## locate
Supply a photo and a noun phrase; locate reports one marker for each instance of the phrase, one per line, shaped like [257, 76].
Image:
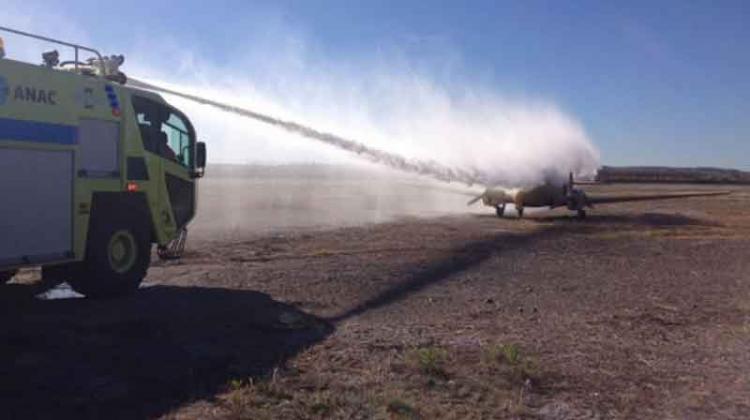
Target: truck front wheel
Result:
[118, 253]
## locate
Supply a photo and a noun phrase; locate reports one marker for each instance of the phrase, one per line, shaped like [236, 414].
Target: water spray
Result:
[421, 167]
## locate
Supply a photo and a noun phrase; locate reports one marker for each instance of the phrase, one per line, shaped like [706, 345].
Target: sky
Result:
[649, 82]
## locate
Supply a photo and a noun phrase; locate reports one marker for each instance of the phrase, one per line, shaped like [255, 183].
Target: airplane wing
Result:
[647, 197]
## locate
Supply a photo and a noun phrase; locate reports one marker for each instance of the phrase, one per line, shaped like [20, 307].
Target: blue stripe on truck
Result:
[40, 132]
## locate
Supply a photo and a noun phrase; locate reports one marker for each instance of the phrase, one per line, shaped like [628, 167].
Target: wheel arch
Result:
[133, 206]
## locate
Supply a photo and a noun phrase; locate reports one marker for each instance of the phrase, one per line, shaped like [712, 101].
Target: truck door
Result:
[177, 150]
[168, 134]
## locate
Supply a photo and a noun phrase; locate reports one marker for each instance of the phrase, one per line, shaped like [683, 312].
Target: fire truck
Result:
[93, 172]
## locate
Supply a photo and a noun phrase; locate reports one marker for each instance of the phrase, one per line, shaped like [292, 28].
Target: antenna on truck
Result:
[107, 67]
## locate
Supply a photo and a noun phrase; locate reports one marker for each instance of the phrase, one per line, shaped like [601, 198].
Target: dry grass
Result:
[399, 409]
[510, 361]
[430, 361]
[279, 398]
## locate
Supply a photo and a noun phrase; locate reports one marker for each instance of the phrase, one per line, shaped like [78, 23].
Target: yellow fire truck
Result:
[92, 172]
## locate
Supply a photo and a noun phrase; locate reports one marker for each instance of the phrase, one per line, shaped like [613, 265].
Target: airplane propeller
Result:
[475, 199]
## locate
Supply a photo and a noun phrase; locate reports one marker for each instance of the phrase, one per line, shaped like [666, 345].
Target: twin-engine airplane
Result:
[566, 195]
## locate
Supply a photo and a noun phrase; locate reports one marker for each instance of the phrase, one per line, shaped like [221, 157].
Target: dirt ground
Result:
[641, 311]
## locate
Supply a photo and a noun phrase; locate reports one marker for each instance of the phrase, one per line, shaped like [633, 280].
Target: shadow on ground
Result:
[166, 346]
[471, 254]
[143, 355]
[642, 219]
[453, 262]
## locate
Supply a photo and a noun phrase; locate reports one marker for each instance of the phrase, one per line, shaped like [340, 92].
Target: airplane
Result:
[554, 195]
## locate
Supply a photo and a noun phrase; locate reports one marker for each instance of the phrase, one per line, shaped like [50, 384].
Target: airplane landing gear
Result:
[581, 214]
[520, 212]
[500, 210]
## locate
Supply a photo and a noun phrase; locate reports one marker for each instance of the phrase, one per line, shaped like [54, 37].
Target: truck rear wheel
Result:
[118, 253]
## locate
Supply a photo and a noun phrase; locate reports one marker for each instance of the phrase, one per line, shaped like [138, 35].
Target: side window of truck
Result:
[163, 131]
[178, 139]
[98, 148]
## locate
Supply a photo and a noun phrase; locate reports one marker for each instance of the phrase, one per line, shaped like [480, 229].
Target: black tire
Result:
[500, 211]
[118, 253]
[6, 276]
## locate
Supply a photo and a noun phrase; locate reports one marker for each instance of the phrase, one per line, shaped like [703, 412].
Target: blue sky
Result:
[653, 82]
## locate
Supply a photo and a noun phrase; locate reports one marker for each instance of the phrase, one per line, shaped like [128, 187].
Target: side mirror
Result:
[200, 159]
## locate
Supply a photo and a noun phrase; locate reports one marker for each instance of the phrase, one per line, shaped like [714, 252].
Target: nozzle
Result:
[51, 58]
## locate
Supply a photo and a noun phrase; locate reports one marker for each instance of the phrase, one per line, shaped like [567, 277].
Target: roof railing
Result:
[75, 47]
